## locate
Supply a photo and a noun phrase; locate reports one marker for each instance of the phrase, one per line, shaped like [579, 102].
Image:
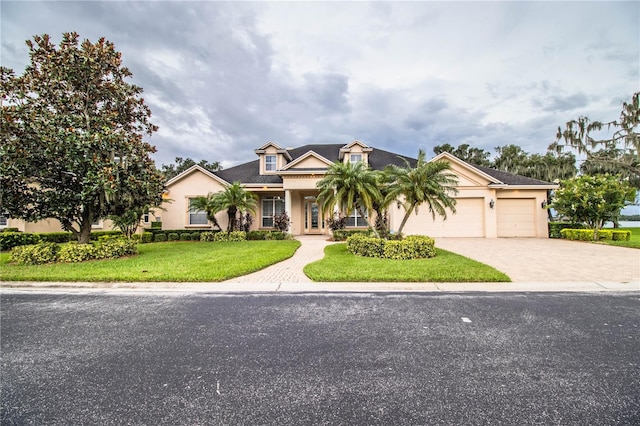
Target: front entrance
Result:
[312, 222]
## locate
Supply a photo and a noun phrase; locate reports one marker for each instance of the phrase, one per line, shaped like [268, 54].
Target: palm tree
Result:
[207, 204]
[429, 183]
[349, 186]
[233, 199]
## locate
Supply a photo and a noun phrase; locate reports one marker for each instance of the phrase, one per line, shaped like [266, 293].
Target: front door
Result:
[312, 223]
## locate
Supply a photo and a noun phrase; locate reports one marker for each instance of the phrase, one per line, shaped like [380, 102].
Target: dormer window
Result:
[355, 158]
[270, 163]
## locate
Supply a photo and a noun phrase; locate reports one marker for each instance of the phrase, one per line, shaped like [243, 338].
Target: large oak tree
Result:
[72, 137]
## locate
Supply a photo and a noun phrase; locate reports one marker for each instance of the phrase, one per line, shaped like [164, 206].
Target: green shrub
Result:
[185, 236]
[158, 238]
[173, 236]
[74, 252]
[35, 254]
[56, 237]
[136, 237]
[555, 228]
[621, 235]
[156, 225]
[9, 240]
[343, 234]
[412, 247]
[257, 235]
[114, 248]
[587, 234]
[146, 237]
[96, 235]
[363, 245]
[9, 230]
[230, 236]
[208, 236]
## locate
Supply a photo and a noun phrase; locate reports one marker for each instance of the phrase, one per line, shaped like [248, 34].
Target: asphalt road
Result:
[327, 359]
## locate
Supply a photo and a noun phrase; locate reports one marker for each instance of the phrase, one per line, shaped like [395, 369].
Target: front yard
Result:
[338, 265]
[171, 261]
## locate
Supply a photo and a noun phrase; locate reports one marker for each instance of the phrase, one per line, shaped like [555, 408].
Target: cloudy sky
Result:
[223, 78]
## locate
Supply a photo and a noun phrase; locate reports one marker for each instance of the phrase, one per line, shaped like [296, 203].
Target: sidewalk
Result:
[534, 265]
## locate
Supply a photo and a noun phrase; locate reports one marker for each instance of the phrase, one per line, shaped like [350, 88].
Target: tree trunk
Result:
[371, 228]
[405, 218]
[84, 236]
[231, 212]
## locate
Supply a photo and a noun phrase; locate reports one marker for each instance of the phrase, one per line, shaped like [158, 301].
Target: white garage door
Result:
[467, 222]
[516, 217]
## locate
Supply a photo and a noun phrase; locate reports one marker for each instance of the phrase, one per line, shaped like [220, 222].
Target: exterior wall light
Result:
[492, 203]
[543, 204]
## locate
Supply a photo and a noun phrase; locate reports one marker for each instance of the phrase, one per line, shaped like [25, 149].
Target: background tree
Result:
[349, 186]
[477, 156]
[72, 131]
[128, 222]
[430, 183]
[593, 200]
[172, 170]
[618, 151]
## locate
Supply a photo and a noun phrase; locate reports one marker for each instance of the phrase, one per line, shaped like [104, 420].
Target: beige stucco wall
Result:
[196, 184]
[51, 225]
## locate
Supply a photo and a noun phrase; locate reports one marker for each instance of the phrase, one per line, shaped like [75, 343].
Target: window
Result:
[4, 221]
[97, 224]
[197, 217]
[270, 164]
[355, 220]
[355, 158]
[271, 206]
[145, 218]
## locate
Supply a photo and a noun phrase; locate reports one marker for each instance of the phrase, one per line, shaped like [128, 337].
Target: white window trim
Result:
[99, 224]
[267, 163]
[356, 155]
[357, 218]
[6, 221]
[195, 212]
[273, 200]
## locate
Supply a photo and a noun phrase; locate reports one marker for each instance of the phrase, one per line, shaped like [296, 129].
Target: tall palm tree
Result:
[429, 183]
[233, 199]
[349, 186]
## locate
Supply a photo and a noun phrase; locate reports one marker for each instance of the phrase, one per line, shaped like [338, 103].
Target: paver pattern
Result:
[550, 260]
[290, 270]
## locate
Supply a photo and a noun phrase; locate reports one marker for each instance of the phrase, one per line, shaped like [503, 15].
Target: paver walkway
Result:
[290, 270]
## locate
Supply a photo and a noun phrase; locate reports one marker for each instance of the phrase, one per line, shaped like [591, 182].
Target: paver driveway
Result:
[550, 260]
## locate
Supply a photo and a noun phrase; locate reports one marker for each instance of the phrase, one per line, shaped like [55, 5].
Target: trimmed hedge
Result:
[555, 228]
[9, 240]
[412, 247]
[343, 234]
[159, 238]
[603, 234]
[173, 236]
[230, 236]
[47, 252]
[267, 235]
[146, 237]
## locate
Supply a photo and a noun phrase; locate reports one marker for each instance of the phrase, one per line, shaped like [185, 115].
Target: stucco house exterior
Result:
[490, 203]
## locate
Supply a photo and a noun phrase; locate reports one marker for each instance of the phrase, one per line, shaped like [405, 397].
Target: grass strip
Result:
[182, 261]
[339, 265]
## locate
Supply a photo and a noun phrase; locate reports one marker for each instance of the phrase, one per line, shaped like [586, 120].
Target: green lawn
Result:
[340, 265]
[171, 261]
[633, 243]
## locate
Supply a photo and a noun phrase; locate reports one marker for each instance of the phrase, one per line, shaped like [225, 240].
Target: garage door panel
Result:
[516, 217]
[468, 221]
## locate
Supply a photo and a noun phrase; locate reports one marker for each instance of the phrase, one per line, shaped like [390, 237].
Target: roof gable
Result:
[195, 169]
[310, 160]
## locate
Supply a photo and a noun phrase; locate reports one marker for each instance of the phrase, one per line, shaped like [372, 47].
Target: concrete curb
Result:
[319, 287]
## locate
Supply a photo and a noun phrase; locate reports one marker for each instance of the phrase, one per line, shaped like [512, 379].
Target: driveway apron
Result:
[550, 260]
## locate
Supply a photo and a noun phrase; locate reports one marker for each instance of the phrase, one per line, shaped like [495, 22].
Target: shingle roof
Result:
[250, 172]
[378, 159]
[510, 178]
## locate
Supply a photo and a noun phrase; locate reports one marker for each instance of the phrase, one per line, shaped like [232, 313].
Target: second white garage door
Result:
[467, 222]
[516, 217]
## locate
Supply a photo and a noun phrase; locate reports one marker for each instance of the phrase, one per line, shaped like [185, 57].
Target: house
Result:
[490, 203]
